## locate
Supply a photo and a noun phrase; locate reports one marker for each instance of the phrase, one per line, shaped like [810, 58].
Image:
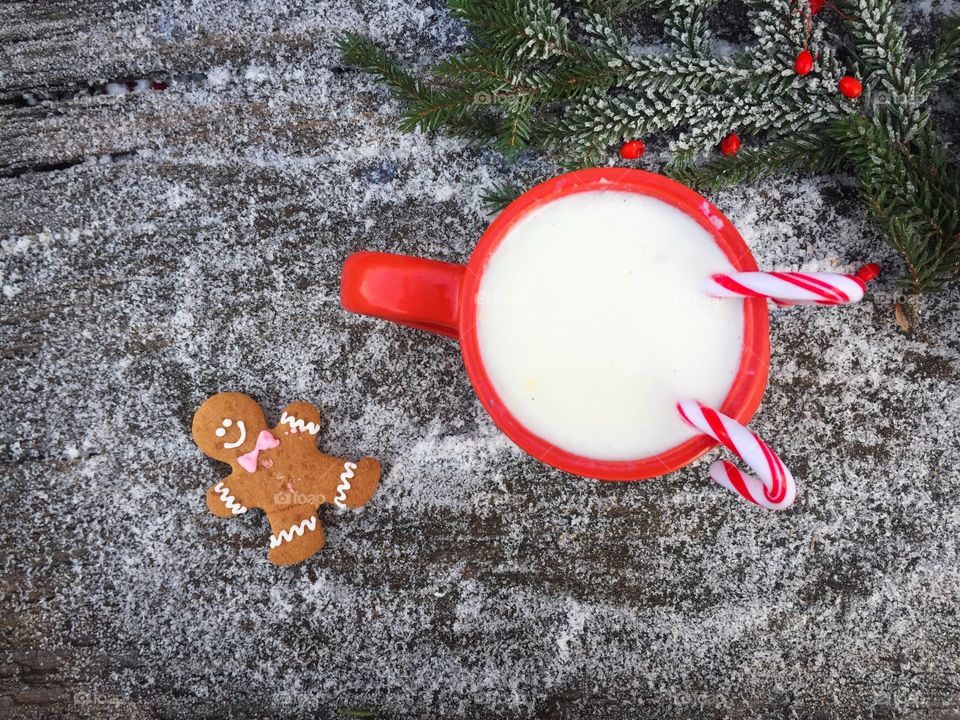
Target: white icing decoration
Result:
[219, 432]
[299, 425]
[227, 422]
[243, 437]
[295, 530]
[229, 500]
[341, 499]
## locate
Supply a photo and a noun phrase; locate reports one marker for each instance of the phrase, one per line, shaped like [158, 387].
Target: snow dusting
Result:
[193, 244]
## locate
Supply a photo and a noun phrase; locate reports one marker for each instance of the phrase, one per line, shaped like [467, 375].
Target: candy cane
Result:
[775, 490]
[794, 288]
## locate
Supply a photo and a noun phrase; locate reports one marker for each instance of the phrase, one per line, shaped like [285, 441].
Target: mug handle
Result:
[412, 291]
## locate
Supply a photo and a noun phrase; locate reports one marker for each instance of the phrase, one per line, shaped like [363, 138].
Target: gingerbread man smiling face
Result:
[278, 470]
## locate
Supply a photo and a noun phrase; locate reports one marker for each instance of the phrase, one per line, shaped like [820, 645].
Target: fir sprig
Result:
[370, 57]
[813, 155]
[912, 193]
[942, 62]
[496, 197]
[561, 78]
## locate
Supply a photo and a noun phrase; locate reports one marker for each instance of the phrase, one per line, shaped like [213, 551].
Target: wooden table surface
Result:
[161, 245]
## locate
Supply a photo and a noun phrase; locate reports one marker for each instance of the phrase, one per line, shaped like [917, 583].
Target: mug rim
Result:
[746, 392]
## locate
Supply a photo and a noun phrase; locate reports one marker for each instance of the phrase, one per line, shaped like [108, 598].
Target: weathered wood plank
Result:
[61, 45]
[161, 246]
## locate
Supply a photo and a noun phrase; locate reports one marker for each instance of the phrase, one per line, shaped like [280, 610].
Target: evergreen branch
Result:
[910, 196]
[781, 30]
[498, 196]
[900, 236]
[436, 109]
[598, 121]
[813, 154]
[514, 28]
[784, 115]
[479, 67]
[687, 72]
[570, 80]
[686, 27]
[881, 44]
[943, 61]
[614, 8]
[937, 183]
[370, 57]
[597, 26]
[516, 127]
[478, 125]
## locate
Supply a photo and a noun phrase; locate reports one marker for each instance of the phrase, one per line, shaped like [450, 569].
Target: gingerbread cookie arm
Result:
[358, 482]
[297, 534]
[300, 423]
[226, 498]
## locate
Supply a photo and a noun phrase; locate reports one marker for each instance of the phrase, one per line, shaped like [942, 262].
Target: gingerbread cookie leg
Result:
[224, 499]
[297, 534]
[358, 482]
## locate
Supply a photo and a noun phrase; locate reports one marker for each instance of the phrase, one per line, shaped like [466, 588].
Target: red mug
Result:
[441, 298]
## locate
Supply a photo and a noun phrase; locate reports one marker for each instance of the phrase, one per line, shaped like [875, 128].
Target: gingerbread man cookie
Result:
[278, 470]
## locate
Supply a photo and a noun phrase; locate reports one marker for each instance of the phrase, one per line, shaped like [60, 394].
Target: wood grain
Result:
[163, 245]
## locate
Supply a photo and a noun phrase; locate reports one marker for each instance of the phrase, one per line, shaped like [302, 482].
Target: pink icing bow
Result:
[265, 441]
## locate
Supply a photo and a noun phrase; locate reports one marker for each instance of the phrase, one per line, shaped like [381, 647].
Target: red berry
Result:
[730, 145]
[632, 149]
[804, 63]
[850, 86]
[816, 6]
[868, 272]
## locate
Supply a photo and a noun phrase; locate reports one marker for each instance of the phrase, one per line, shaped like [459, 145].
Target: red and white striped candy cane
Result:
[795, 288]
[774, 490]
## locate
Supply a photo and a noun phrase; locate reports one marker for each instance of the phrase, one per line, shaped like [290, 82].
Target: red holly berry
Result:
[850, 86]
[868, 272]
[730, 145]
[632, 149]
[804, 63]
[816, 6]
